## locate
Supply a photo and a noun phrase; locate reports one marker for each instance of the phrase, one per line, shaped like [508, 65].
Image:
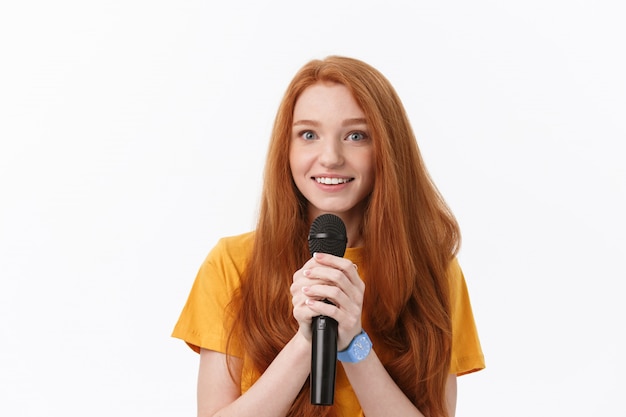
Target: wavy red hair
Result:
[410, 236]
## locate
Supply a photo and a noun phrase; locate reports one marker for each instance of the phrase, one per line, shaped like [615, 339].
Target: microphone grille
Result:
[328, 235]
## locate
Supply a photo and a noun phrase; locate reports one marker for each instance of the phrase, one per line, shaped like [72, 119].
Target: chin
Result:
[334, 209]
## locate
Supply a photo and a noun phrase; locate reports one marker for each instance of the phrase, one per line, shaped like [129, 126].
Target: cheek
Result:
[370, 183]
[367, 165]
[293, 162]
[293, 166]
[299, 162]
[370, 173]
[298, 170]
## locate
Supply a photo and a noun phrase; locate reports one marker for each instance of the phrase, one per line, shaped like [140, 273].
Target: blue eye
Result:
[308, 135]
[357, 136]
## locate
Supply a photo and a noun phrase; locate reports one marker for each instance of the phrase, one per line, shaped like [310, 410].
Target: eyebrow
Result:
[347, 122]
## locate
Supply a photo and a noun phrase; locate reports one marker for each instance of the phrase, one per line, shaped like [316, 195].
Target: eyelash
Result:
[357, 132]
[363, 135]
[306, 132]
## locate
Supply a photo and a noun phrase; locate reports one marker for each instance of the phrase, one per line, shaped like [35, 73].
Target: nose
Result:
[331, 153]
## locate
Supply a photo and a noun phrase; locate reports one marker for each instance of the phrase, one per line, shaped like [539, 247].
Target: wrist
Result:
[358, 349]
[300, 343]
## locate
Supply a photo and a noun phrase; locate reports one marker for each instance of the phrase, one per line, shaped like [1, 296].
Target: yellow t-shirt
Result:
[202, 321]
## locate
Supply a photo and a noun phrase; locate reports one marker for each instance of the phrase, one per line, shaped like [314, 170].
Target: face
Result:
[331, 151]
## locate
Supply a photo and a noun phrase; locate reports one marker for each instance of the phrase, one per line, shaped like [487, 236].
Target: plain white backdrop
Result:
[133, 135]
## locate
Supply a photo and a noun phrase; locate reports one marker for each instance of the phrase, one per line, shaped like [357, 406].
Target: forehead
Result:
[327, 99]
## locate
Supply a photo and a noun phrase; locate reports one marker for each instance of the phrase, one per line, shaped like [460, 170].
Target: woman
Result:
[341, 144]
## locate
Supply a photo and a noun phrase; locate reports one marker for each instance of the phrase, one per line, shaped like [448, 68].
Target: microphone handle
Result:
[323, 360]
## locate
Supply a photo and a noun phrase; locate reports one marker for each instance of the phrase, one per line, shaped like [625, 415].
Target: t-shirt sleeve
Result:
[467, 354]
[205, 321]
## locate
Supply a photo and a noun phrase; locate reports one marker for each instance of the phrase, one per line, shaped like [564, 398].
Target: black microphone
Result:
[327, 235]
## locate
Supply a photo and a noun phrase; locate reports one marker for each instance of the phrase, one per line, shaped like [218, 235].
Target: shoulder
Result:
[454, 272]
[460, 305]
[233, 251]
[458, 287]
[226, 262]
[235, 244]
[456, 281]
[467, 355]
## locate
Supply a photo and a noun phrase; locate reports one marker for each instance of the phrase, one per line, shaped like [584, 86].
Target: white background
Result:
[133, 136]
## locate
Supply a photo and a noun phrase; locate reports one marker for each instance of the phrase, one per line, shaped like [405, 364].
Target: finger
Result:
[332, 276]
[345, 265]
[349, 323]
[328, 293]
[331, 283]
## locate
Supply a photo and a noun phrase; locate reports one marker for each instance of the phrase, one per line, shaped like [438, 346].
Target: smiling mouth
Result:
[332, 181]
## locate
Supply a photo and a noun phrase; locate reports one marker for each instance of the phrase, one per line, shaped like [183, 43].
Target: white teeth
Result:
[332, 181]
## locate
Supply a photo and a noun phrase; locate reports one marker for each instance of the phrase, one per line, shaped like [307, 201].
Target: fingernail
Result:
[305, 289]
[306, 272]
[309, 302]
[317, 255]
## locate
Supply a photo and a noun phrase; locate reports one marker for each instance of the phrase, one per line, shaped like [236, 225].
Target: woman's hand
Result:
[329, 277]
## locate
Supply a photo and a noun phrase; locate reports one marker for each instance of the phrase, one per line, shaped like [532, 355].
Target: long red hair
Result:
[410, 236]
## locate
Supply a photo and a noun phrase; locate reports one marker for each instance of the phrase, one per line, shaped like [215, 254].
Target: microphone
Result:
[327, 235]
